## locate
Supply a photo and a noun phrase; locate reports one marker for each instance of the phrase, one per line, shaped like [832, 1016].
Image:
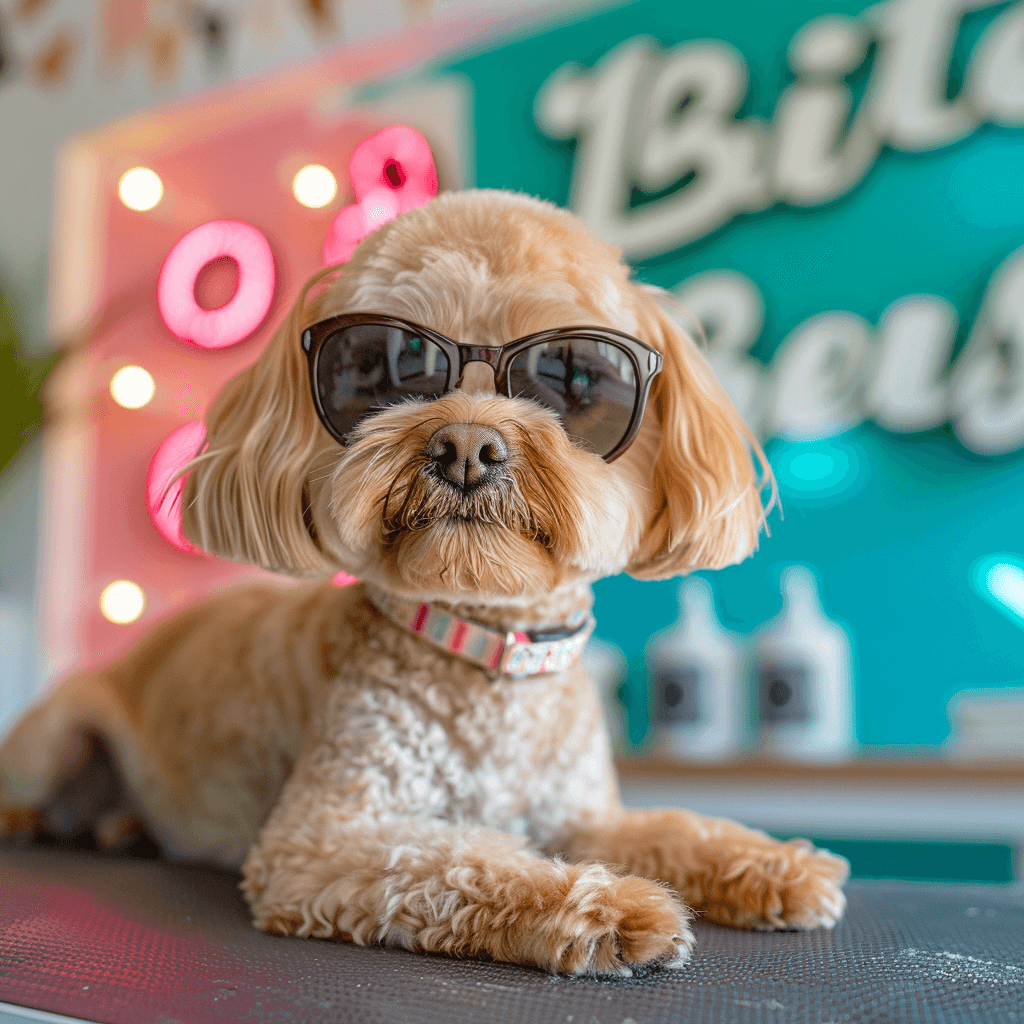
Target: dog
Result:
[434, 420]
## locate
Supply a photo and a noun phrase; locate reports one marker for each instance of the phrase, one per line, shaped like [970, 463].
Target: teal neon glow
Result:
[813, 466]
[1007, 585]
[816, 470]
[999, 579]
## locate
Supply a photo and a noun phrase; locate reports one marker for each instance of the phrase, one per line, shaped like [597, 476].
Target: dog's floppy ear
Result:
[710, 511]
[247, 493]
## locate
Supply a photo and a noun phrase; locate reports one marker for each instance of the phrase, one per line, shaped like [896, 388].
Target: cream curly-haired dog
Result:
[384, 767]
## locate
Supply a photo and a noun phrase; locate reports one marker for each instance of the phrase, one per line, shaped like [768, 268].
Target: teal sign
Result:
[836, 191]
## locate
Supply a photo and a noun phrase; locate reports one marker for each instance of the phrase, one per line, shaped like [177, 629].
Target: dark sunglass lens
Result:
[367, 367]
[590, 384]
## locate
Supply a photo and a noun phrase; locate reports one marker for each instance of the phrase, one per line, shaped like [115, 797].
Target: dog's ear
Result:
[247, 494]
[708, 491]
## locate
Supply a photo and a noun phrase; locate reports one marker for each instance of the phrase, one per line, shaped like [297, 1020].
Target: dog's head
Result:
[275, 489]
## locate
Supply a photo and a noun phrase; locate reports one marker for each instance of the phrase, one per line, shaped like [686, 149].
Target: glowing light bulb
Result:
[132, 387]
[140, 189]
[122, 601]
[314, 186]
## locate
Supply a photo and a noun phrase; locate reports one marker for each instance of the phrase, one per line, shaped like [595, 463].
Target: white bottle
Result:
[804, 677]
[695, 673]
[607, 667]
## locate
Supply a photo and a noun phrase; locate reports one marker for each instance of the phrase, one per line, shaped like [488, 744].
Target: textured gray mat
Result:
[126, 941]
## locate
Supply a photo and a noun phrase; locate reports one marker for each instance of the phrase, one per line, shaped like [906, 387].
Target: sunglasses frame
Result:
[647, 362]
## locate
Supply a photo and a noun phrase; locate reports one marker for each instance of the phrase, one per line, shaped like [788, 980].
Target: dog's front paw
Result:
[782, 885]
[609, 925]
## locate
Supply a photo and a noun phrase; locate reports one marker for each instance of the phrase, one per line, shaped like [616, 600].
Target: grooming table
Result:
[127, 941]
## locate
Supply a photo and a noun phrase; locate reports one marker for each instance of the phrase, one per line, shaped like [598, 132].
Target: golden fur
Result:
[373, 788]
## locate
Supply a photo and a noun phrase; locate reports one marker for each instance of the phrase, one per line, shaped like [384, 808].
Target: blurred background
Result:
[832, 188]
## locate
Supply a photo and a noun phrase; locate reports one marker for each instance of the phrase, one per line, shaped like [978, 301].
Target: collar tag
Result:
[523, 657]
[512, 654]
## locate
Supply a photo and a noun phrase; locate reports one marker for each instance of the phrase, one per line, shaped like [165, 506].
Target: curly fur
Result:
[372, 788]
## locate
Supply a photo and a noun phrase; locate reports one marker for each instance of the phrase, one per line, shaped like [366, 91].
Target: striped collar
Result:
[511, 654]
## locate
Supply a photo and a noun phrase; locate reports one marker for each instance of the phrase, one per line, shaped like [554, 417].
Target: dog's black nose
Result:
[468, 455]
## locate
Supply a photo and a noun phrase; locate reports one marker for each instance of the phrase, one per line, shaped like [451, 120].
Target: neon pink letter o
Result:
[238, 318]
[163, 498]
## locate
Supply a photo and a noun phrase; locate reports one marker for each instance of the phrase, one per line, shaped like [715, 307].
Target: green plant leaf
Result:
[21, 379]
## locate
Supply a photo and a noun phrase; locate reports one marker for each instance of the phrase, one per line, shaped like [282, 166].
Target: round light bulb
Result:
[314, 186]
[140, 188]
[132, 387]
[122, 601]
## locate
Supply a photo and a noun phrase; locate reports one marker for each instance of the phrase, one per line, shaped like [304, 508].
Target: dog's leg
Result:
[466, 892]
[57, 778]
[46, 747]
[731, 874]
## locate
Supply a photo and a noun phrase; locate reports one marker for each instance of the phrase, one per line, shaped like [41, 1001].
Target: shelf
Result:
[887, 799]
[933, 771]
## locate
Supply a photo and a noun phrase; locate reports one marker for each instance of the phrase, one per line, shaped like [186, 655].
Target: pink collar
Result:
[511, 654]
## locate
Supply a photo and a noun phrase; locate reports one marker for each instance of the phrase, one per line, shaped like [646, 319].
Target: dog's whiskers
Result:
[390, 491]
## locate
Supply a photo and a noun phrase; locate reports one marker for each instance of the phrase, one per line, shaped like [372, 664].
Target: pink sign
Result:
[228, 156]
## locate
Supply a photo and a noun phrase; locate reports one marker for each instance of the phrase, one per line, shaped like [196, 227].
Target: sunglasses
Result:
[596, 380]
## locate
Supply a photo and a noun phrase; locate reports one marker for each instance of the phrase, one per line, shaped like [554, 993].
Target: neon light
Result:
[350, 227]
[380, 206]
[999, 579]
[398, 159]
[238, 318]
[1007, 585]
[163, 492]
[391, 172]
[818, 470]
[813, 466]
